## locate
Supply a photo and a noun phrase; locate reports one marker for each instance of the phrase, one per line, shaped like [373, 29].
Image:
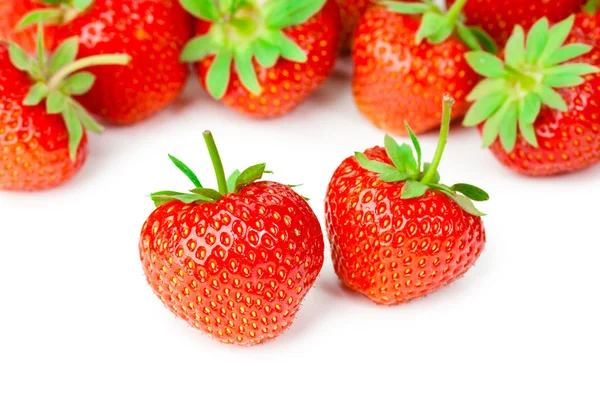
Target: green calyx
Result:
[437, 26]
[515, 89]
[244, 31]
[417, 180]
[57, 79]
[591, 6]
[199, 194]
[63, 12]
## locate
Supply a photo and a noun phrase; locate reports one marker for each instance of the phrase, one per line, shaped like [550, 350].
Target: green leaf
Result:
[198, 48]
[430, 24]
[466, 204]
[559, 81]
[74, 129]
[413, 189]
[40, 47]
[485, 40]
[551, 98]
[219, 74]
[291, 51]
[165, 197]
[472, 192]
[56, 103]
[232, 180]
[89, 123]
[393, 151]
[491, 126]
[374, 166]
[567, 53]
[487, 87]
[484, 108]
[46, 16]
[441, 188]
[82, 4]
[246, 72]
[36, 94]
[528, 133]
[78, 84]
[187, 171]
[468, 37]
[250, 175]
[64, 54]
[514, 52]
[436, 176]
[572, 69]
[416, 144]
[290, 13]
[266, 54]
[406, 8]
[19, 58]
[393, 176]
[409, 163]
[508, 127]
[529, 108]
[443, 33]
[202, 9]
[210, 193]
[485, 64]
[557, 36]
[536, 40]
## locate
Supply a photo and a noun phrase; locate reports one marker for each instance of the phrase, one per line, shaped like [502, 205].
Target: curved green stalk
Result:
[455, 9]
[446, 116]
[216, 161]
[104, 59]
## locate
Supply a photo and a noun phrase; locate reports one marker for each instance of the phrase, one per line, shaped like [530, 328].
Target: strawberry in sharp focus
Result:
[11, 12]
[42, 127]
[539, 108]
[499, 17]
[406, 56]
[263, 59]
[153, 32]
[237, 262]
[396, 233]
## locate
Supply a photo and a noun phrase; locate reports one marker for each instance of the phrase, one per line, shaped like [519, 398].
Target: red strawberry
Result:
[153, 32]
[530, 127]
[42, 128]
[398, 76]
[396, 233]
[235, 263]
[499, 17]
[350, 12]
[263, 60]
[12, 11]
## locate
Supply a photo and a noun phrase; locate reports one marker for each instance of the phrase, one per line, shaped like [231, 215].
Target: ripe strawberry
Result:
[12, 11]
[399, 77]
[263, 59]
[530, 127]
[396, 233]
[237, 262]
[153, 32]
[350, 12]
[499, 17]
[43, 145]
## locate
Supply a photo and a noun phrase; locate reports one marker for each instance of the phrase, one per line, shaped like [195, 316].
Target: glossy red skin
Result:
[499, 17]
[11, 12]
[153, 32]
[393, 250]
[396, 80]
[237, 269]
[287, 83]
[34, 152]
[568, 141]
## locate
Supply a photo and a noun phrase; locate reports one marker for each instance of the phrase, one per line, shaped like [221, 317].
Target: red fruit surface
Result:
[34, 151]
[287, 83]
[350, 12]
[394, 250]
[153, 33]
[237, 269]
[568, 141]
[397, 80]
[499, 17]
[11, 12]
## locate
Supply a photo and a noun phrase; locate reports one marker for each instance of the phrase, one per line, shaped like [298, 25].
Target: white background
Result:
[78, 320]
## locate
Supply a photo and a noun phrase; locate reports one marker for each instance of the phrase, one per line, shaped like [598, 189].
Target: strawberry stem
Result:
[216, 161]
[448, 102]
[104, 59]
[455, 9]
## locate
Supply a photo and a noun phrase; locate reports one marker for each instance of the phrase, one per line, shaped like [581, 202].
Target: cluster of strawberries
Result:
[237, 261]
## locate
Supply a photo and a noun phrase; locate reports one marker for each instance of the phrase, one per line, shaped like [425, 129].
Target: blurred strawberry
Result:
[11, 12]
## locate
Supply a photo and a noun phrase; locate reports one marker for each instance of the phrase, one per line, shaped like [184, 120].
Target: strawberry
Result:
[237, 262]
[396, 233]
[12, 11]
[400, 76]
[263, 59]
[42, 128]
[527, 124]
[499, 17]
[350, 12]
[153, 32]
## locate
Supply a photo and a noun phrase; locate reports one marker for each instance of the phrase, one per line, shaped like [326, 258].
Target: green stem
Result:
[455, 9]
[104, 59]
[216, 161]
[448, 102]
[591, 6]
